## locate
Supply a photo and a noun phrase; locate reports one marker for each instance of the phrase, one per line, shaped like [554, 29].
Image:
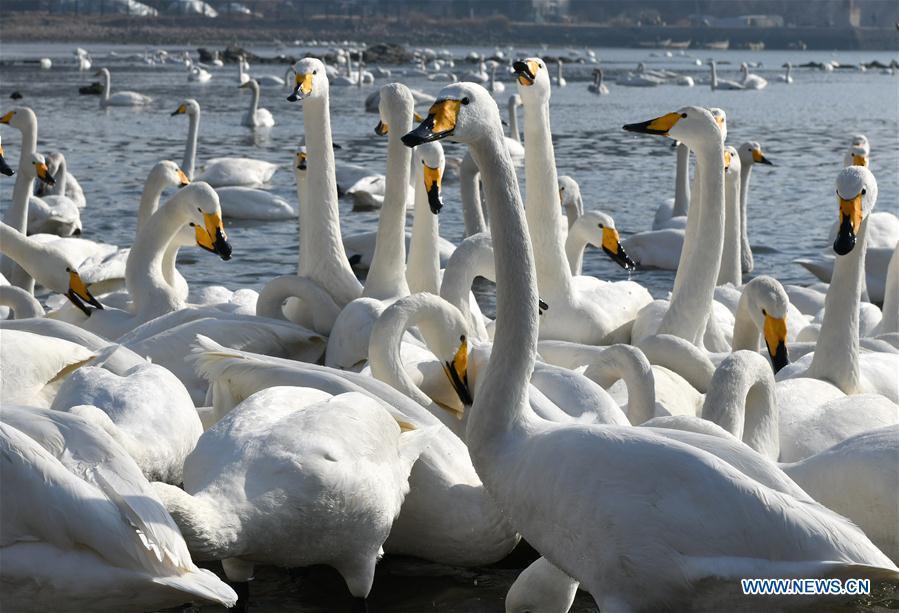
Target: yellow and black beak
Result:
[759, 158]
[611, 244]
[850, 222]
[79, 294]
[182, 178]
[775, 331]
[440, 123]
[43, 173]
[382, 128]
[432, 186]
[659, 125]
[181, 110]
[541, 306]
[526, 72]
[7, 117]
[457, 371]
[727, 158]
[301, 160]
[302, 87]
[859, 160]
[212, 237]
[4, 167]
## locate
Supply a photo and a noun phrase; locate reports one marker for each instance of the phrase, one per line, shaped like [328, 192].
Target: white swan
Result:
[725, 84]
[836, 358]
[584, 309]
[447, 516]
[4, 167]
[470, 190]
[493, 85]
[541, 588]
[86, 529]
[750, 154]
[33, 366]
[124, 98]
[559, 80]
[673, 213]
[52, 214]
[423, 265]
[751, 81]
[590, 470]
[787, 77]
[51, 266]
[256, 117]
[598, 87]
[56, 163]
[20, 304]
[307, 463]
[513, 141]
[24, 120]
[220, 172]
[597, 229]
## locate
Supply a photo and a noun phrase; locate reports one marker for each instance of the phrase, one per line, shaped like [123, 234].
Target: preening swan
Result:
[255, 117]
[587, 471]
[86, 529]
[124, 98]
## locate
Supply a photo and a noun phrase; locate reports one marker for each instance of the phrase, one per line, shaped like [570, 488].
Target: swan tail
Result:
[204, 526]
[202, 584]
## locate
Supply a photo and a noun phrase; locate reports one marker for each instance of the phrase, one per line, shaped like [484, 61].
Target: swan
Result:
[20, 304]
[889, 322]
[836, 358]
[513, 141]
[52, 214]
[787, 77]
[423, 266]
[124, 98]
[220, 172]
[298, 463]
[730, 269]
[83, 59]
[750, 154]
[725, 84]
[23, 119]
[598, 87]
[559, 80]
[146, 409]
[151, 294]
[198, 74]
[751, 81]
[256, 117]
[447, 516]
[242, 68]
[470, 188]
[673, 213]
[51, 266]
[584, 232]
[572, 201]
[86, 529]
[640, 78]
[56, 163]
[584, 309]
[589, 470]
[320, 235]
[493, 85]
[386, 281]
[4, 167]
[856, 155]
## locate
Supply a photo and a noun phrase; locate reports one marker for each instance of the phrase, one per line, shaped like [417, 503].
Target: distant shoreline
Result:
[43, 27]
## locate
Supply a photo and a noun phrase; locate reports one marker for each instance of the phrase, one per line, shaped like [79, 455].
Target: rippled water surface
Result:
[804, 129]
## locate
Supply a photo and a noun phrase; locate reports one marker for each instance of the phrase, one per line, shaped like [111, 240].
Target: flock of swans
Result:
[649, 450]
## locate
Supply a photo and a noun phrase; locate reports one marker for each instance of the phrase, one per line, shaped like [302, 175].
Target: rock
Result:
[206, 56]
[94, 89]
[387, 53]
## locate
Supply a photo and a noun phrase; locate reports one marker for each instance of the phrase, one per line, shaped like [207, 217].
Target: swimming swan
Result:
[256, 117]
[124, 98]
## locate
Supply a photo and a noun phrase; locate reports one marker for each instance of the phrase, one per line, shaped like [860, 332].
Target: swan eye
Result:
[600, 225]
[315, 72]
[683, 115]
[465, 100]
[764, 312]
[68, 269]
[864, 191]
[192, 225]
[462, 339]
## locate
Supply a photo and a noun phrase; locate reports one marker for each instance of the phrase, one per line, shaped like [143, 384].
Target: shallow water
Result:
[803, 128]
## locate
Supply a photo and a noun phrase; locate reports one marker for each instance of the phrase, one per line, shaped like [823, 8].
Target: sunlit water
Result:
[804, 129]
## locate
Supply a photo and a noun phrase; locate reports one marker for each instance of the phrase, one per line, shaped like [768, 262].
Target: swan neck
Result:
[836, 352]
[17, 215]
[470, 193]
[190, 147]
[273, 295]
[387, 275]
[22, 304]
[423, 268]
[150, 293]
[574, 250]
[149, 201]
[746, 332]
[890, 321]
[543, 208]
[254, 102]
[745, 249]
[682, 182]
[513, 121]
[107, 79]
[694, 284]
[629, 365]
[730, 269]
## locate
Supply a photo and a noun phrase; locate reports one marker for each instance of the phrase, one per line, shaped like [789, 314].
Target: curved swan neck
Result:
[149, 199]
[472, 258]
[741, 400]
[631, 366]
[501, 400]
[423, 268]
[694, 284]
[387, 274]
[190, 148]
[575, 244]
[730, 269]
[22, 304]
[543, 208]
[682, 182]
[27, 253]
[836, 352]
[746, 332]
[271, 300]
[321, 234]
[470, 193]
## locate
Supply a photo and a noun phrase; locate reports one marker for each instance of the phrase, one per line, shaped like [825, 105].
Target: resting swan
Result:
[124, 98]
[584, 309]
[589, 470]
[256, 117]
[85, 529]
[751, 81]
[717, 83]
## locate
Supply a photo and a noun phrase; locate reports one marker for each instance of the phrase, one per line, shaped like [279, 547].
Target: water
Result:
[803, 128]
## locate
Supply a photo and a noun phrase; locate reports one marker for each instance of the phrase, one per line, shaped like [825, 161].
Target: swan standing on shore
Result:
[123, 98]
[591, 474]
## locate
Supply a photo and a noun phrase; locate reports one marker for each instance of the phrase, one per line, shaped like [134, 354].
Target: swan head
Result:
[4, 167]
[251, 84]
[731, 164]
[860, 140]
[721, 119]
[464, 112]
[533, 79]
[692, 125]
[396, 107]
[570, 197]
[301, 160]
[20, 118]
[857, 194]
[598, 229]
[751, 153]
[200, 204]
[432, 161]
[77, 293]
[767, 302]
[39, 164]
[167, 173]
[856, 156]
[310, 80]
[189, 107]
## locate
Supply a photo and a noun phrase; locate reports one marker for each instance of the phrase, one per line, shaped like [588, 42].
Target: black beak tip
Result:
[293, 97]
[780, 359]
[173, 113]
[222, 246]
[542, 305]
[436, 207]
[413, 139]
